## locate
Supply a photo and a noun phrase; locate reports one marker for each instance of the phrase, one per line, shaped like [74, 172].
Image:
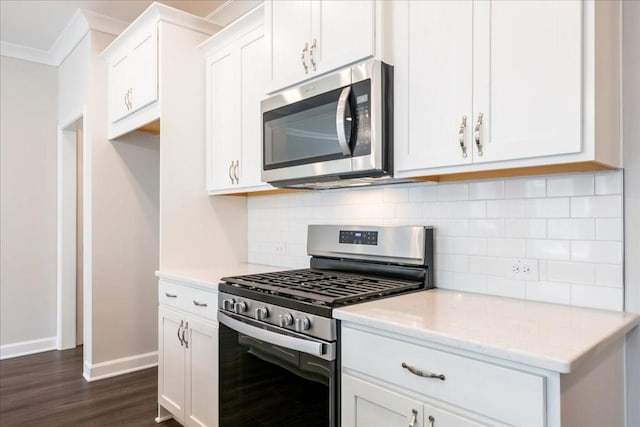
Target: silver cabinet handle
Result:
[229, 172]
[304, 54]
[477, 134]
[179, 329]
[421, 373]
[235, 171]
[342, 106]
[461, 132]
[126, 101]
[414, 418]
[314, 45]
[199, 304]
[168, 295]
[432, 421]
[184, 331]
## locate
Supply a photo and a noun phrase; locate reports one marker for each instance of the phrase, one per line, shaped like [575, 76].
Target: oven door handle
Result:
[342, 106]
[293, 343]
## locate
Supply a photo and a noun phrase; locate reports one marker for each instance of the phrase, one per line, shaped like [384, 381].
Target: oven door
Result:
[274, 377]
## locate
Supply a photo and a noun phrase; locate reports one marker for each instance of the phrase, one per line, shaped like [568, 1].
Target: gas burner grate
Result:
[323, 287]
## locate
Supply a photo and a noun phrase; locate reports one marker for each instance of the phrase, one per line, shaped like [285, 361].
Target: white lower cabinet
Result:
[188, 355]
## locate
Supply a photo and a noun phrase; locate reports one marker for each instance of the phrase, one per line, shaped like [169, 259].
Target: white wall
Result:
[568, 226]
[631, 138]
[27, 205]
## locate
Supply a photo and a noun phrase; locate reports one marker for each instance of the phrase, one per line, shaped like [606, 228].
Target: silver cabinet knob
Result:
[240, 307]
[227, 304]
[261, 313]
[302, 324]
[286, 320]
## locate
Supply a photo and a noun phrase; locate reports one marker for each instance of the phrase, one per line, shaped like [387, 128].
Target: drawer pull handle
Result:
[432, 421]
[199, 304]
[414, 418]
[421, 373]
[168, 295]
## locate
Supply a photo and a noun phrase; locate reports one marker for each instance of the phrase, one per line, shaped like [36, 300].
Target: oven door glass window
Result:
[262, 384]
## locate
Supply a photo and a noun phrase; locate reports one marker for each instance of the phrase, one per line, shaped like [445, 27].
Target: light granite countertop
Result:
[549, 336]
[209, 278]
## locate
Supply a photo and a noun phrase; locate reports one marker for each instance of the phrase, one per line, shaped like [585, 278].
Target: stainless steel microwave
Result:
[336, 128]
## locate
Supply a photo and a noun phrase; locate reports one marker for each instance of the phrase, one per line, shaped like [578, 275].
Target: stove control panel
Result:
[359, 237]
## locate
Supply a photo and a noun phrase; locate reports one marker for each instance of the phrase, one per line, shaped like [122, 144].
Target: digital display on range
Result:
[359, 237]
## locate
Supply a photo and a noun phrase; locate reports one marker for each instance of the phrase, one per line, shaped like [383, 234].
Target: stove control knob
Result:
[228, 304]
[286, 320]
[261, 313]
[240, 307]
[302, 324]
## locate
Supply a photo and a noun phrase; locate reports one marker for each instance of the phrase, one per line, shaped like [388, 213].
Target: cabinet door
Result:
[367, 405]
[119, 85]
[171, 362]
[343, 32]
[289, 28]
[202, 373]
[253, 84]
[433, 77]
[145, 69]
[223, 125]
[435, 417]
[527, 78]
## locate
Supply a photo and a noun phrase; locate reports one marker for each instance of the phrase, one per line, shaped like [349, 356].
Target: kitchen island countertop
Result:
[548, 336]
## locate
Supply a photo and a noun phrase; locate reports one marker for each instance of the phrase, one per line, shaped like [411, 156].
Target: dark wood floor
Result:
[47, 389]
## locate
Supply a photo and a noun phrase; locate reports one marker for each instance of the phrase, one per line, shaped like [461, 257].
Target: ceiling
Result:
[36, 25]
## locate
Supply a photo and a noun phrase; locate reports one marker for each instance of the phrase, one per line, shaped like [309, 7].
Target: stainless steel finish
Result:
[184, 331]
[403, 245]
[199, 304]
[291, 341]
[240, 307]
[432, 421]
[314, 45]
[477, 131]
[421, 373]
[235, 171]
[229, 172]
[228, 303]
[304, 53]
[285, 320]
[302, 324]
[414, 418]
[320, 327]
[261, 313]
[371, 69]
[461, 132]
[342, 106]
[179, 330]
[168, 295]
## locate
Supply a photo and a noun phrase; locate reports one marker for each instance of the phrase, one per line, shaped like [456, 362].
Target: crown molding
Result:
[79, 25]
[231, 10]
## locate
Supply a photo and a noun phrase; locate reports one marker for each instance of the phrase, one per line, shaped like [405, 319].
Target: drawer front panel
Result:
[195, 301]
[505, 394]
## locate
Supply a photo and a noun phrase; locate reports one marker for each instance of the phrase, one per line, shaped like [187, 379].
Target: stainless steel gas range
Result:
[279, 346]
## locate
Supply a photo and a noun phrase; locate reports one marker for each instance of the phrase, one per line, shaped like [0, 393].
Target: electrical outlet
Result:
[524, 269]
[280, 247]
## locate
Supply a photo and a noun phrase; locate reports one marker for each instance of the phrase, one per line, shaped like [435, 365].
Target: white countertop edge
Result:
[208, 279]
[562, 366]
[185, 279]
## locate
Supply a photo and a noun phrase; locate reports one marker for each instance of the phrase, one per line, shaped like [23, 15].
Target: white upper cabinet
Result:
[504, 84]
[135, 68]
[236, 83]
[307, 38]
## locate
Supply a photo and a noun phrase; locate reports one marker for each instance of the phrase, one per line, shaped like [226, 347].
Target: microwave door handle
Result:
[293, 343]
[342, 106]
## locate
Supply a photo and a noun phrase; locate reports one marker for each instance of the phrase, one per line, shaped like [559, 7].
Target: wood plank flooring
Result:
[47, 389]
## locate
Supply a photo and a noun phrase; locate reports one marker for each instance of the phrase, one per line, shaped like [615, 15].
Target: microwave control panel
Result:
[362, 95]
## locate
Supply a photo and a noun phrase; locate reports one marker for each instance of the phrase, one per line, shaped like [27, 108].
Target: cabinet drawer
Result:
[501, 393]
[195, 301]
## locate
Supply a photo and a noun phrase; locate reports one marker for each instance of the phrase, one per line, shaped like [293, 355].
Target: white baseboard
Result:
[24, 348]
[112, 368]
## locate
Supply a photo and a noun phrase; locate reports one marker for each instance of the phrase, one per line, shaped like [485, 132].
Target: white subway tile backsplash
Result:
[569, 226]
[597, 207]
[548, 208]
[525, 188]
[570, 185]
[485, 190]
[609, 183]
[596, 251]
